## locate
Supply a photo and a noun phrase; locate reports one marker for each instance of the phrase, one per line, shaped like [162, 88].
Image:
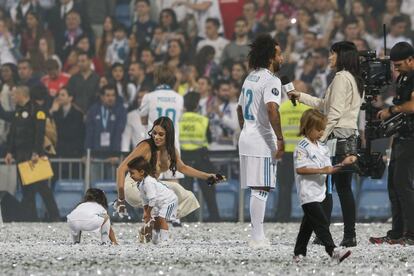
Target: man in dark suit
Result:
[57, 21]
[105, 123]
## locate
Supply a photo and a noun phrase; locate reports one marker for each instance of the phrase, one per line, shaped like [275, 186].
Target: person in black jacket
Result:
[25, 142]
[70, 129]
[69, 125]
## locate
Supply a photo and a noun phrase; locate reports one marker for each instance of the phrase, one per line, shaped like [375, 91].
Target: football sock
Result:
[105, 231]
[258, 200]
[164, 235]
[155, 236]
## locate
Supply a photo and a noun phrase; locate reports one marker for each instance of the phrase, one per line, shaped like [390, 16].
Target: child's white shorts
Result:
[257, 171]
[166, 211]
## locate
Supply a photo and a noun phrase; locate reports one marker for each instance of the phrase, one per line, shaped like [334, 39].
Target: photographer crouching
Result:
[401, 168]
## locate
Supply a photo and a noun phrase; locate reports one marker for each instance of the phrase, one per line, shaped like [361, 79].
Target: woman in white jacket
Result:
[341, 105]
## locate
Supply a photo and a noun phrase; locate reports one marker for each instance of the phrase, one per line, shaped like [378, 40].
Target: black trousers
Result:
[401, 188]
[343, 182]
[29, 194]
[285, 180]
[199, 159]
[314, 219]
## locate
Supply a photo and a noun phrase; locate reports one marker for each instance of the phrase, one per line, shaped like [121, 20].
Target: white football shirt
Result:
[257, 137]
[311, 187]
[163, 102]
[155, 193]
[87, 211]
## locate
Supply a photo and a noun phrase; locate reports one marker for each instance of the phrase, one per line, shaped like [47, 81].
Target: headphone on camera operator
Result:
[402, 57]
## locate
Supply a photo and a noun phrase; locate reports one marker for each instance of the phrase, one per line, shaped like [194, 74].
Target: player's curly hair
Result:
[262, 50]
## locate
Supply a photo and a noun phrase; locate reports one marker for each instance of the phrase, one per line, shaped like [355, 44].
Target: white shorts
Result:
[186, 199]
[168, 175]
[93, 224]
[167, 211]
[257, 172]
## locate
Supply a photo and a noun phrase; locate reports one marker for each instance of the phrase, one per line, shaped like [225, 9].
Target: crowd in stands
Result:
[97, 57]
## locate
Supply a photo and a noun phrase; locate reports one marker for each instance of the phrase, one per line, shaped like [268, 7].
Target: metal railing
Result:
[82, 169]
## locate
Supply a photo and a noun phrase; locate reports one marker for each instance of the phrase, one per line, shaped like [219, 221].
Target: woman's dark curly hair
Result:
[262, 51]
[96, 195]
[167, 124]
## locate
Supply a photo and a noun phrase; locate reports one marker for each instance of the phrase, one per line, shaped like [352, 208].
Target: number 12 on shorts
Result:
[248, 93]
[169, 112]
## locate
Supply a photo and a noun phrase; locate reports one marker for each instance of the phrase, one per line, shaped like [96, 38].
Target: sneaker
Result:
[406, 241]
[317, 241]
[176, 223]
[298, 258]
[382, 240]
[256, 244]
[348, 242]
[339, 255]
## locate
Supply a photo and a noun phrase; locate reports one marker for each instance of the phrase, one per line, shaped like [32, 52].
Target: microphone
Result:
[287, 86]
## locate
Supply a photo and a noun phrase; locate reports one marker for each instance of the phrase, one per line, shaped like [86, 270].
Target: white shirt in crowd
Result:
[201, 16]
[257, 137]
[311, 188]
[154, 193]
[134, 131]
[163, 102]
[180, 10]
[228, 125]
[13, 10]
[219, 44]
[117, 51]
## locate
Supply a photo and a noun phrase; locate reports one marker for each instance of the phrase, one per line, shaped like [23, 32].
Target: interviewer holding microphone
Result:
[341, 105]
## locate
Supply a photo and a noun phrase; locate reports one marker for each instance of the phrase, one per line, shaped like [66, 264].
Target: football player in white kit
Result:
[164, 101]
[261, 140]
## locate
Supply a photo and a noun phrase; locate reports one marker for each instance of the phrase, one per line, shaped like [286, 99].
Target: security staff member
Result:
[401, 168]
[194, 139]
[290, 119]
[25, 142]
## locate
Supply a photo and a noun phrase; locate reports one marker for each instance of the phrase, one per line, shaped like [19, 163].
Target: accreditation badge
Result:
[105, 139]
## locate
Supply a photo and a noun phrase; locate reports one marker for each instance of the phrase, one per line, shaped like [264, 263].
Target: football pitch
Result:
[196, 249]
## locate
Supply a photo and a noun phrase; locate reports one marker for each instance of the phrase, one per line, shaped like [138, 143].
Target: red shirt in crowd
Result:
[230, 10]
[53, 85]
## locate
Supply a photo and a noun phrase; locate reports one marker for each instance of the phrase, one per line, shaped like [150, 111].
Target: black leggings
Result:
[314, 219]
[343, 183]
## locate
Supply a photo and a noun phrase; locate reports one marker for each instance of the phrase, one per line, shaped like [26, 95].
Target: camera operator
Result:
[341, 104]
[401, 168]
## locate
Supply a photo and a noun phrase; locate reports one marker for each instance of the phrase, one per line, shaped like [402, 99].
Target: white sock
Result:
[155, 236]
[258, 200]
[164, 235]
[105, 228]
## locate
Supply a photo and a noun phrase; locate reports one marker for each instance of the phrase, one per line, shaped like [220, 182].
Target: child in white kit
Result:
[312, 164]
[91, 215]
[160, 202]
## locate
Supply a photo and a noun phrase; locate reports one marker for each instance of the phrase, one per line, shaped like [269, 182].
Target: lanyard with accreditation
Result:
[105, 135]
